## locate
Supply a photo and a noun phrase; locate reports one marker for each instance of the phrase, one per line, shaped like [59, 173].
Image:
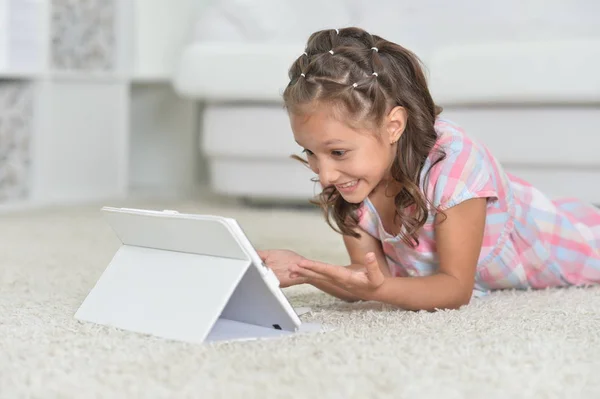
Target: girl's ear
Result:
[396, 123]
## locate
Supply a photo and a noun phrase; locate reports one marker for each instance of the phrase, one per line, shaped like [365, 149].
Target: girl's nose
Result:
[328, 176]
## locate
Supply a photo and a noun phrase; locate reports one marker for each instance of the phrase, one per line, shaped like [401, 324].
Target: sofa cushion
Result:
[235, 72]
[516, 73]
[528, 72]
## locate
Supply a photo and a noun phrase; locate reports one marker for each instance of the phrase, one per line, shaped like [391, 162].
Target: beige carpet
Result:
[518, 345]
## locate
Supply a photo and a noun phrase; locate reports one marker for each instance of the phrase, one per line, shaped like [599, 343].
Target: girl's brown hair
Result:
[362, 76]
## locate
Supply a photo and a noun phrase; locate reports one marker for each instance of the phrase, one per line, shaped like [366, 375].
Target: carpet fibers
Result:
[543, 344]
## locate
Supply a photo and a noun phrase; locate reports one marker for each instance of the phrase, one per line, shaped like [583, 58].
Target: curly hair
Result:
[363, 76]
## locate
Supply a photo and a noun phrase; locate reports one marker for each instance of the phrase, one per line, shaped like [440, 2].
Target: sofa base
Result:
[554, 148]
[284, 181]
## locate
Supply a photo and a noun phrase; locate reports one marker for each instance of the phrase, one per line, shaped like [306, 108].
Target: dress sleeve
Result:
[466, 172]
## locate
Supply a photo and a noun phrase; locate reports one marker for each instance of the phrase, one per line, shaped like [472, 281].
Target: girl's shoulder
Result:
[459, 168]
[452, 136]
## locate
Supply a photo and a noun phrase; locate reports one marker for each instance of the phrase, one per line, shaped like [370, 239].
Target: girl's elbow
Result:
[462, 294]
[459, 300]
[462, 300]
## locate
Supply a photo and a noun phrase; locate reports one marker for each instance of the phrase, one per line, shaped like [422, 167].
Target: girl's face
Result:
[354, 161]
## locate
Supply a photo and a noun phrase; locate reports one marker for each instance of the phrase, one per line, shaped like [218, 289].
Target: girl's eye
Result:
[307, 152]
[338, 153]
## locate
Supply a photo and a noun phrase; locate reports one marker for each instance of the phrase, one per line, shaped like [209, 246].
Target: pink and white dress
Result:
[530, 241]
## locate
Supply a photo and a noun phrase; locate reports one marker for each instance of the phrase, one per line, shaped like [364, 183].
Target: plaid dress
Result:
[529, 241]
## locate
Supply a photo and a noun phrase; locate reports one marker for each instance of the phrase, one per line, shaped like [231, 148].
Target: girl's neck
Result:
[382, 198]
[386, 190]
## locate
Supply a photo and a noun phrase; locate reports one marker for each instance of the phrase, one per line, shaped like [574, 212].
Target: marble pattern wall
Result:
[16, 125]
[83, 35]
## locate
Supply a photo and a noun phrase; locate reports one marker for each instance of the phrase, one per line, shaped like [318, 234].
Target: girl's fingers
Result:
[263, 255]
[374, 273]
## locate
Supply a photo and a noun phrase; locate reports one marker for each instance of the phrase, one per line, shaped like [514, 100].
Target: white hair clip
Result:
[337, 31]
[305, 53]
[354, 85]
[375, 48]
[331, 52]
[375, 74]
[303, 75]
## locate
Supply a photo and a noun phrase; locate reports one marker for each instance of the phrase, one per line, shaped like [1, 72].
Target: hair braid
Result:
[362, 76]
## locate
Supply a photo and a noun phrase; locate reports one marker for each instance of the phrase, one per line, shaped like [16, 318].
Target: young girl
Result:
[428, 216]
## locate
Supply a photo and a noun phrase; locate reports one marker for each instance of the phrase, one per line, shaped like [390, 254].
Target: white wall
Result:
[164, 155]
[160, 29]
[163, 139]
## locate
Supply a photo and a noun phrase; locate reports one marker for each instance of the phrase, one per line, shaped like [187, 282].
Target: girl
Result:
[428, 216]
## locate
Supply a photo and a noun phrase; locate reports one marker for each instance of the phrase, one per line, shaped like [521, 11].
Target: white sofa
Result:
[522, 77]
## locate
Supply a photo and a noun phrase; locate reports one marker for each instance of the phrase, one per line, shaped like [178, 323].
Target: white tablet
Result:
[187, 277]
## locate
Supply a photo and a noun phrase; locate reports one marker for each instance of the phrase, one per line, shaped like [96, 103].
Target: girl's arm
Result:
[458, 239]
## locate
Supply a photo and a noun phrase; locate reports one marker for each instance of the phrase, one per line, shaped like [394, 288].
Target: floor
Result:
[543, 344]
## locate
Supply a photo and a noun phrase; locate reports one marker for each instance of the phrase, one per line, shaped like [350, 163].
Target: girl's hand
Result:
[363, 282]
[281, 261]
